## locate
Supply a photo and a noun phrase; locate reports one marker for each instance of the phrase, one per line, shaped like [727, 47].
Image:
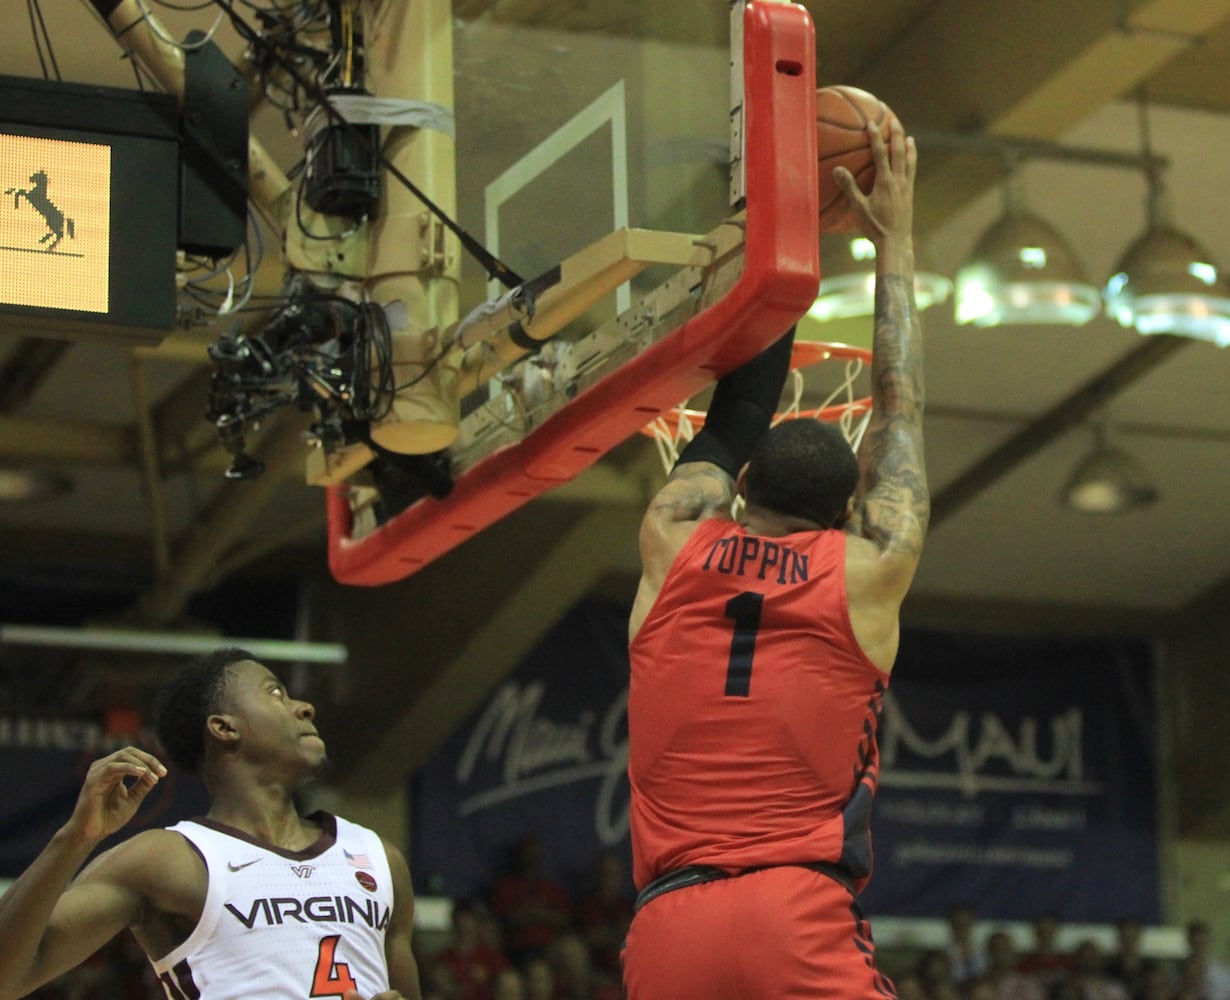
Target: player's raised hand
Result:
[114, 788]
[888, 209]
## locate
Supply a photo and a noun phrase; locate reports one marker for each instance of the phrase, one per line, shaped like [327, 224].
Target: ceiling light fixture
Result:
[1166, 282]
[1022, 271]
[1108, 481]
[848, 279]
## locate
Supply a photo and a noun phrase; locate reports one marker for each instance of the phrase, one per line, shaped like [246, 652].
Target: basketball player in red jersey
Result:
[760, 651]
[252, 900]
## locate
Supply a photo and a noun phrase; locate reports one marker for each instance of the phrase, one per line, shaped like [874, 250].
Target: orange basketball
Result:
[842, 114]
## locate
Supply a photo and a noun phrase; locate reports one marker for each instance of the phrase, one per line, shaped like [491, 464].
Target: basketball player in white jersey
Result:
[252, 900]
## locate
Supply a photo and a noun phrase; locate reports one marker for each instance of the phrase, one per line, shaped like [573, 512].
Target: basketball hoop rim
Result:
[812, 352]
[804, 354]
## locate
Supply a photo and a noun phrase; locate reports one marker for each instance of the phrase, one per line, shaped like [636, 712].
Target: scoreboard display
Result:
[89, 191]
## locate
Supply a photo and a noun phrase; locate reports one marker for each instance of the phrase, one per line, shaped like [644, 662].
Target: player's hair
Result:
[805, 468]
[190, 697]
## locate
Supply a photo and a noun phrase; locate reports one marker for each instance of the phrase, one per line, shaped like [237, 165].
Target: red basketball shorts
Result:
[775, 934]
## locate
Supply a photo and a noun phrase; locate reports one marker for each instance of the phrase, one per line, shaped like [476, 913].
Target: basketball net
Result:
[850, 413]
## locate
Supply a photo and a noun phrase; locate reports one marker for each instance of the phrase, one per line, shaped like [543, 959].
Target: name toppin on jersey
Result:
[758, 557]
[275, 911]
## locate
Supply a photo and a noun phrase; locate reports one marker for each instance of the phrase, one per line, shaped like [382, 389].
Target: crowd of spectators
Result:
[994, 968]
[532, 939]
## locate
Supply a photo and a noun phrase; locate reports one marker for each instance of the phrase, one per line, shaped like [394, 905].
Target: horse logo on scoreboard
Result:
[58, 224]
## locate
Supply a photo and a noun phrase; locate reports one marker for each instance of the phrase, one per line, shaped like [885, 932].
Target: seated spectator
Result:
[935, 974]
[539, 979]
[966, 956]
[1212, 975]
[909, 987]
[436, 982]
[979, 988]
[1154, 982]
[1127, 963]
[1090, 978]
[1190, 984]
[1064, 989]
[470, 964]
[604, 913]
[575, 975]
[532, 909]
[1003, 973]
[1044, 960]
[509, 984]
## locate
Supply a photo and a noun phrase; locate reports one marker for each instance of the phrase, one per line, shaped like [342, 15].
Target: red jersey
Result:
[752, 711]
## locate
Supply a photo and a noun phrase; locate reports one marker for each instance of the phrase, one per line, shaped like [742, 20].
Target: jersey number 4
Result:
[745, 610]
[332, 978]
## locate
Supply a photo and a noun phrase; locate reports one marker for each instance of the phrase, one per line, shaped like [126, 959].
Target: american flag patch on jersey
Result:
[357, 860]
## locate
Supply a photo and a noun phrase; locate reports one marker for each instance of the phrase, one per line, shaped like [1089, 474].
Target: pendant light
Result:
[1022, 271]
[1166, 282]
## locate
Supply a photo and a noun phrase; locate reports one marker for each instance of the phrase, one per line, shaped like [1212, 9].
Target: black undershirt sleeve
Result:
[742, 409]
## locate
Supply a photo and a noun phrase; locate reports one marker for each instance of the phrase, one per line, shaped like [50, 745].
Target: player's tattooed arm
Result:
[894, 505]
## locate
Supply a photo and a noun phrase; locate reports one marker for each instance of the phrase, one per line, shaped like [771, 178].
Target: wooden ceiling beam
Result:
[26, 368]
[54, 442]
[216, 532]
[986, 70]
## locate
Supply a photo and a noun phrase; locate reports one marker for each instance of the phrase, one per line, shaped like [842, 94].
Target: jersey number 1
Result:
[745, 610]
[332, 978]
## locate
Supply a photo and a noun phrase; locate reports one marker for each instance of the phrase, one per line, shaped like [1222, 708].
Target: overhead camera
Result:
[296, 358]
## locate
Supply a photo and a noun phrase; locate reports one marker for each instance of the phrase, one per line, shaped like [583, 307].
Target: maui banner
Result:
[545, 755]
[1018, 774]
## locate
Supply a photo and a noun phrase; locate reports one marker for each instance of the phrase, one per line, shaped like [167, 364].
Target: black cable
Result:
[34, 34]
[136, 70]
[427, 370]
[374, 399]
[495, 267]
[303, 226]
[47, 38]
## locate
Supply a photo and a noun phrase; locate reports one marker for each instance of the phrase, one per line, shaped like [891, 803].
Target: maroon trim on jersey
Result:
[183, 986]
[328, 836]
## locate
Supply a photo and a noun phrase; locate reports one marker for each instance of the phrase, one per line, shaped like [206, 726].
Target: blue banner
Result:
[1018, 774]
[546, 754]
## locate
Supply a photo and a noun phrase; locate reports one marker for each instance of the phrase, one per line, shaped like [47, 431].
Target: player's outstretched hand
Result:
[888, 210]
[386, 995]
[108, 799]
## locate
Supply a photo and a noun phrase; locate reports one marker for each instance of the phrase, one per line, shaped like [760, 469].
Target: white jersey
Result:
[285, 925]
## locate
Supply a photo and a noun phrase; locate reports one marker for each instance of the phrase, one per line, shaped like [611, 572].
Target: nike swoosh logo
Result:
[231, 866]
